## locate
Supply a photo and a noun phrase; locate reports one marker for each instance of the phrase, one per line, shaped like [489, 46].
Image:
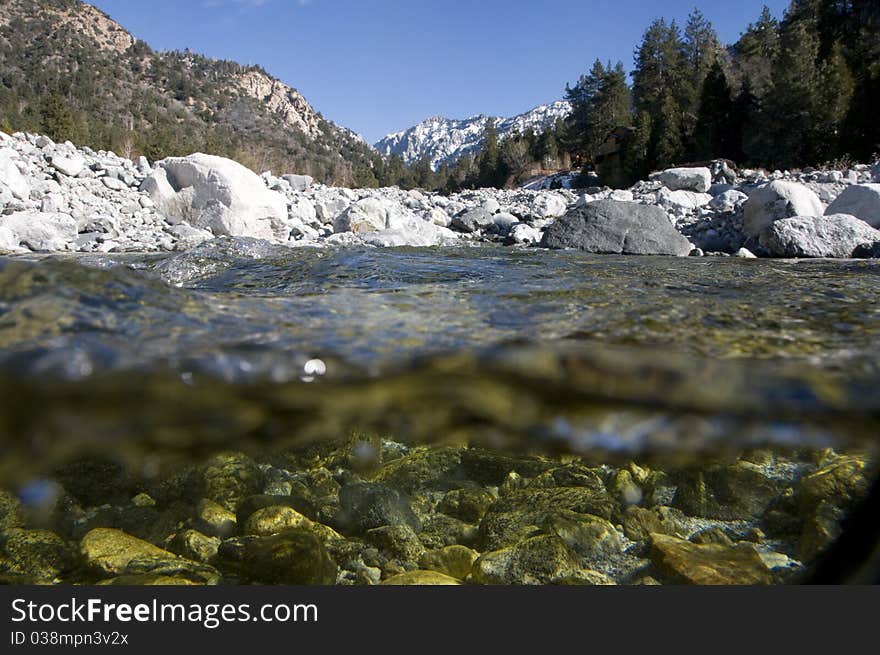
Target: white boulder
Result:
[367, 215]
[548, 205]
[523, 233]
[216, 194]
[413, 232]
[837, 235]
[37, 231]
[71, 165]
[698, 180]
[728, 200]
[11, 177]
[299, 182]
[777, 200]
[861, 201]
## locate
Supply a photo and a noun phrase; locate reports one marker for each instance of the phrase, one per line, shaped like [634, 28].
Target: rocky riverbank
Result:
[60, 198]
[372, 511]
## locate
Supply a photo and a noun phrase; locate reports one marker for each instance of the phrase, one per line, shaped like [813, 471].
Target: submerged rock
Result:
[293, 557]
[613, 227]
[421, 578]
[39, 554]
[111, 552]
[524, 512]
[708, 564]
[230, 477]
[368, 505]
[455, 561]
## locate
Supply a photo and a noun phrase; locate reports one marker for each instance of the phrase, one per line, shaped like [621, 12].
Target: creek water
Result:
[161, 361]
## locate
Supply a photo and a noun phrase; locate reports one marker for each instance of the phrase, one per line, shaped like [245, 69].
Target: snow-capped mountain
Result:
[445, 140]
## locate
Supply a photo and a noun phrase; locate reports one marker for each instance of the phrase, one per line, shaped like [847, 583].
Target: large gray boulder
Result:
[367, 215]
[698, 180]
[71, 164]
[548, 205]
[299, 183]
[614, 227]
[861, 201]
[838, 235]
[37, 231]
[472, 220]
[217, 194]
[11, 177]
[778, 200]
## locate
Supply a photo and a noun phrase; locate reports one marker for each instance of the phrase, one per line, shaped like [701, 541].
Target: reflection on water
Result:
[426, 416]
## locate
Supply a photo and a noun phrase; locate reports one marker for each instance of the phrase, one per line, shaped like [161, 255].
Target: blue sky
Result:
[379, 66]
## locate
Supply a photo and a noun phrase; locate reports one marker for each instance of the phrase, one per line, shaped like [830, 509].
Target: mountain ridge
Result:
[445, 140]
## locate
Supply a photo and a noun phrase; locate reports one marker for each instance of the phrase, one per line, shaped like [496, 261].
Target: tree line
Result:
[801, 91]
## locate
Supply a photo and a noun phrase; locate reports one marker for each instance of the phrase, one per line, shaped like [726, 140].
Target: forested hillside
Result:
[69, 71]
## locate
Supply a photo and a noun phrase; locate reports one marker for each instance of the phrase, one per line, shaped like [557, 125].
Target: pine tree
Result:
[702, 51]
[489, 157]
[56, 119]
[516, 157]
[668, 142]
[611, 107]
[635, 149]
[713, 134]
[790, 119]
[835, 92]
[661, 90]
[746, 144]
[755, 53]
[579, 125]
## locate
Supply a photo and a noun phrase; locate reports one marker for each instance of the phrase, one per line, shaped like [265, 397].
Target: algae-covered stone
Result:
[10, 511]
[492, 568]
[588, 577]
[820, 529]
[625, 489]
[300, 501]
[40, 554]
[399, 541]
[272, 520]
[417, 578]
[196, 546]
[214, 519]
[293, 557]
[515, 516]
[230, 477]
[490, 468]
[95, 480]
[708, 564]
[712, 536]
[741, 491]
[570, 475]
[440, 530]
[589, 536]
[366, 506]
[455, 561]
[640, 522]
[148, 580]
[840, 482]
[424, 468]
[466, 504]
[542, 559]
[110, 551]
